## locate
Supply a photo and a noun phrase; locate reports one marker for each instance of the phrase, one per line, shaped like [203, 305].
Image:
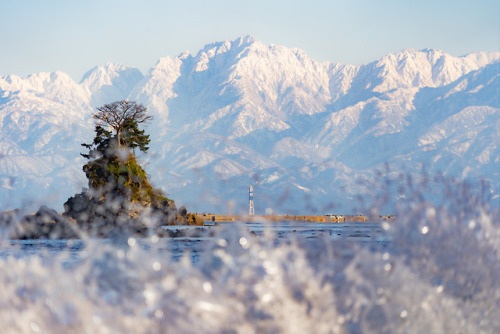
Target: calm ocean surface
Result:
[363, 233]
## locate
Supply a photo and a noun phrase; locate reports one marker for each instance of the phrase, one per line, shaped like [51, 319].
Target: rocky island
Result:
[120, 199]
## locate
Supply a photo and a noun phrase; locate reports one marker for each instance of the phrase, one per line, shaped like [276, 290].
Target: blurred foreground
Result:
[437, 270]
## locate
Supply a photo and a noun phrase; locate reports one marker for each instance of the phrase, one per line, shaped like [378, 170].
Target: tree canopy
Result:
[123, 117]
[122, 114]
[134, 138]
[101, 144]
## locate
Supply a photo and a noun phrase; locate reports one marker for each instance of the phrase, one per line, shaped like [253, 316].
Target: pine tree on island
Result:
[122, 116]
[112, 166]
[119, 189]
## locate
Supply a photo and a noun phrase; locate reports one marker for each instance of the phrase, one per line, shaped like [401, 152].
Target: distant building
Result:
[251, 210]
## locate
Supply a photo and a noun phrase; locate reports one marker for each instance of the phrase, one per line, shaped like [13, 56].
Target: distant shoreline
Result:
[209, 217]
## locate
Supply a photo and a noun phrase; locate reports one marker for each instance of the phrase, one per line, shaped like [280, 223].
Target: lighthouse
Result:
[251, 210]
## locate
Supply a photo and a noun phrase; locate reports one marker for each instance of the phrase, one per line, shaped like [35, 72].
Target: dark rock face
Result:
[189, 218]
[86, 216]
[105, 216]
[120, 197]
[90, 218]
[44, 224]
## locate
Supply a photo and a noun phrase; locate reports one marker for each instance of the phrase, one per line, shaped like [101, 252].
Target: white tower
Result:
[251, 210]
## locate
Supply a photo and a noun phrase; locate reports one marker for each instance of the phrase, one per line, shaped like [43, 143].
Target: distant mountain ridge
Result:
[242, 113]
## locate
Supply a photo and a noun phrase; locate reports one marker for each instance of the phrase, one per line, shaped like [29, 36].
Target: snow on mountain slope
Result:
[241, 112]
[40, 112]
[238, 87]
[157, 86]
[110, 82]
[369, 139]
[56, 87]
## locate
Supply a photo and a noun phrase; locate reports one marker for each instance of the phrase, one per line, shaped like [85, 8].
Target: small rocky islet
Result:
[120, 199]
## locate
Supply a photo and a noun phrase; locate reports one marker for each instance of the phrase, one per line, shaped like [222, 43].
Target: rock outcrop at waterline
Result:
[104, 215]
[120, 195]
[96, 221]
[46, 223]
[98, 214]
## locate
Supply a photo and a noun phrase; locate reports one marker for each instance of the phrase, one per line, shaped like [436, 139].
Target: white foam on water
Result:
[440, 274]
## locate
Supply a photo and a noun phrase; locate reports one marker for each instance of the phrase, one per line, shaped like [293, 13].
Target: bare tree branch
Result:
[117, 114]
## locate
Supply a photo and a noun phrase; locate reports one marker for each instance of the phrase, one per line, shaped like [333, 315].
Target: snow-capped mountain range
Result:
[241, 113]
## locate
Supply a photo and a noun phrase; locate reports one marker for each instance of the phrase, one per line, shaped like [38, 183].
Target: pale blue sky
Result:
[75, 35]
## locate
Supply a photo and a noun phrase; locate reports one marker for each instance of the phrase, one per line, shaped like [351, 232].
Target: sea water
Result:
[284, 231]
[436, 269]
